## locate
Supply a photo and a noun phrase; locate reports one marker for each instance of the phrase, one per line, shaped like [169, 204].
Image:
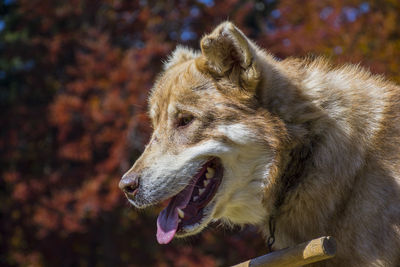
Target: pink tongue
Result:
[167, 221]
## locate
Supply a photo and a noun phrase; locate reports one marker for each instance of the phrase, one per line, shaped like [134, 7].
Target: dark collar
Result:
[296, 166]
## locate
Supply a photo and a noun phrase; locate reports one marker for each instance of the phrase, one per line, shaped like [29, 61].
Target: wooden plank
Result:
[308, 252]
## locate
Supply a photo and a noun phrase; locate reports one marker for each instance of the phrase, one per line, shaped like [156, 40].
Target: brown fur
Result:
[332, 134]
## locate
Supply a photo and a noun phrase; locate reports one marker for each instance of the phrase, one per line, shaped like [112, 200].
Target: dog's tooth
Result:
[181, 213]
[206, 182]
[201, 191]
[195, 198]
[210, 173]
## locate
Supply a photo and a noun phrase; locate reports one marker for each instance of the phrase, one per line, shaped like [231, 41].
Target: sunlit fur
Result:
[333, 131]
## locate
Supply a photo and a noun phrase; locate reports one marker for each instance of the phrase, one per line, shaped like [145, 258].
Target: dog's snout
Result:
[129, 184]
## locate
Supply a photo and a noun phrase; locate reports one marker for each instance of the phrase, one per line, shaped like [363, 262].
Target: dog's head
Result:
[213, 148]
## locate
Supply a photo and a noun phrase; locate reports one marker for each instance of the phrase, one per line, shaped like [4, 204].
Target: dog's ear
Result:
[226, 52]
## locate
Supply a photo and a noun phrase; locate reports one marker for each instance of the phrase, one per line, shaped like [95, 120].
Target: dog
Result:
[296, 147]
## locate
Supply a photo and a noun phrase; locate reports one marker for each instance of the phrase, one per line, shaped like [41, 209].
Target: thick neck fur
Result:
[333, 117]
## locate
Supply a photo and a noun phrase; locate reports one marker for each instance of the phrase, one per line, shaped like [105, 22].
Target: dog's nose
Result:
[129, 184]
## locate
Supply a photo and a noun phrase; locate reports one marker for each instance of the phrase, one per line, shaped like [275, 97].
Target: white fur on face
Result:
[171, 110]
[237, 133]
[152, 113]
[169, 174]
[246, 168]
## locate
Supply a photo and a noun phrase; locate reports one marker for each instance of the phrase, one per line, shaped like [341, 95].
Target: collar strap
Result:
[291, 178]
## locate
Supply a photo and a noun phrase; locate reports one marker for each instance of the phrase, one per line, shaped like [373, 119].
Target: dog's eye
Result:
[184, 120]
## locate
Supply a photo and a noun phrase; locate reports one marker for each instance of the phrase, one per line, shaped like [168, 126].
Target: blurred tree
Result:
[74, 77]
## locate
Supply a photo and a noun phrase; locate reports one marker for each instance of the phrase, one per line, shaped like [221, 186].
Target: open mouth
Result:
[187, 207]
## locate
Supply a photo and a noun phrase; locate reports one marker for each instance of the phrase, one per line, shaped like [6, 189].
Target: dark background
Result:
[74, 78]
